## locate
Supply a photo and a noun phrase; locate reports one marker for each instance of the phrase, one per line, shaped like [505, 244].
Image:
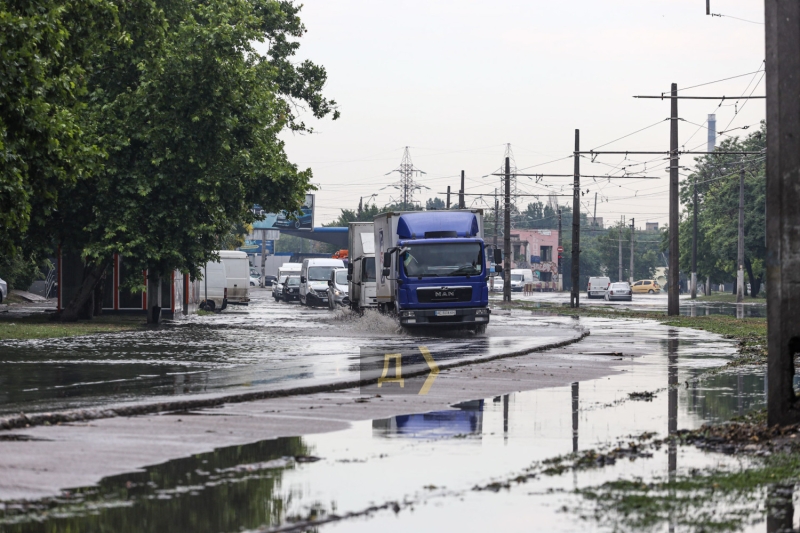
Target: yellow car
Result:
[649, 286]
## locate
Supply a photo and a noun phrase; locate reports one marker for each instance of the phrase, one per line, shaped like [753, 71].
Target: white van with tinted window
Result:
[598, 287]
[314, 280]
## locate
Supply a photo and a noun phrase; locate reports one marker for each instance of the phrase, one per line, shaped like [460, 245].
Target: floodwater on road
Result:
[266, 345]
[423, 472]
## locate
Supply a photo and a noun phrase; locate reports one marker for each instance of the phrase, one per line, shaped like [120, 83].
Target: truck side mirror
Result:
[498, 269]
[386, 272]
[302, 279]
[387, 260]
[349, 269]
[498, 255]
[349, 277]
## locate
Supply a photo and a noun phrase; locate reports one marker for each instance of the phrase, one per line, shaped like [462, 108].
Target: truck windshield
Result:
[439, 260]
[369, 269]
[516, 277]
[341, 277]
[321, 273]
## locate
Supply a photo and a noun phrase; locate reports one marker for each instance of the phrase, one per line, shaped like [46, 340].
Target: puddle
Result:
[418, 471]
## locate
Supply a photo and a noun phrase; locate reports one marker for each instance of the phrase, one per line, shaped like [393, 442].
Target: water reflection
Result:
[575, 410]
[465, 419]
[225, 490]
[780, 509]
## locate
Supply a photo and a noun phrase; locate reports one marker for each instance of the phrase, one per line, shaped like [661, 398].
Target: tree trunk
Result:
[99, 294]
[754, 286]
[82, 304]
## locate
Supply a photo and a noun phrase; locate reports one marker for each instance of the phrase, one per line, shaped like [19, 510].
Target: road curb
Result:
[43, 419]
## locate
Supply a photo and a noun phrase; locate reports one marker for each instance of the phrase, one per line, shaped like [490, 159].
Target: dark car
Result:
[291, 289]
[269, 280]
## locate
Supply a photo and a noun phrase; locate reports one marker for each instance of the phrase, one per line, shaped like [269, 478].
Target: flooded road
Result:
[443, 470]
[261, 347]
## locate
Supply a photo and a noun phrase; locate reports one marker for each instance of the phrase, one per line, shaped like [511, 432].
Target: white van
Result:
[598, 287]
[214, 287]
[237, 275]
[314, 280]
[519, 277]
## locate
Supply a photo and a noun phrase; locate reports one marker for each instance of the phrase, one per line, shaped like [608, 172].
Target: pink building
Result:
[537, 249]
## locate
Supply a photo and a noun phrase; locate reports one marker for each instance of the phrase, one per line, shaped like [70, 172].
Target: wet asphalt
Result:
[389, 459]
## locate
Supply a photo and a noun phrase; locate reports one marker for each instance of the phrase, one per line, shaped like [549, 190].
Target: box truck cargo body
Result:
[361, 271]
[433, 268]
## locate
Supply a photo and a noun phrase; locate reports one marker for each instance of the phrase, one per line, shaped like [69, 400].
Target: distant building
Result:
[651, 226]
[537, 249]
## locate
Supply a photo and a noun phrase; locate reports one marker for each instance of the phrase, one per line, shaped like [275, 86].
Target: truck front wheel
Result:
[479, 329]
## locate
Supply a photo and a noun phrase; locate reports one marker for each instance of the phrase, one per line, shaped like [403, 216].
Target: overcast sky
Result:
[457, 80]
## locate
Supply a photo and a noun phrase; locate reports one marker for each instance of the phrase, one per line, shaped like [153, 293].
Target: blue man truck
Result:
[434, 268]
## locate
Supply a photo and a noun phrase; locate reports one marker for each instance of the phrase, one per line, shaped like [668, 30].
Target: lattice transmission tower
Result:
[407, 185]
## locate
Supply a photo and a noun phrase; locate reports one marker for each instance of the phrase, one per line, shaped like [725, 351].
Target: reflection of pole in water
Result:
[739, 393]
[693, 311]
[739, 311]
[575, 417]
[672, 407]
[505, 416]
[780, 509]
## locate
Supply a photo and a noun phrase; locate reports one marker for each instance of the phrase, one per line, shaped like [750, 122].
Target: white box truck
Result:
[227, 281]
[361, 273]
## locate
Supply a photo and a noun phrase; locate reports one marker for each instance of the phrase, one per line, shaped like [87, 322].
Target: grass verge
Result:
[39, 326]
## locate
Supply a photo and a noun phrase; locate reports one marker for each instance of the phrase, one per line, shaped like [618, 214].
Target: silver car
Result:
[338, 288]
[619, 291]
[3, 290]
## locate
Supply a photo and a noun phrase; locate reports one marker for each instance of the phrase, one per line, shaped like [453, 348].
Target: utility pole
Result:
[264, 255]
[694, 239]
[740, 254]
[673, 305]
[507, 236]
[407, 185]
[574, 299]
[448, 197]
[619, 235]
[783, 208]
[461, 204]
[632, 229]
[594, 218]
[560, 284]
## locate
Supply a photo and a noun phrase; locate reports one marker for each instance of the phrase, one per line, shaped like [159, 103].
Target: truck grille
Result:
[444, 294]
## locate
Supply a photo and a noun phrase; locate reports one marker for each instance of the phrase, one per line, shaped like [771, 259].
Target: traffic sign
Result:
[560, 249]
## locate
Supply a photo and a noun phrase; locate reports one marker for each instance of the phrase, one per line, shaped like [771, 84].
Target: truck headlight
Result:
[406, 314]
[337, 292]
[482, 312]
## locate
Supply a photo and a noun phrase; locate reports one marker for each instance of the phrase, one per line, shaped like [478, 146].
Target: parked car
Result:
[291, 289]
[498, 283]
[277, 287]
[519, 277]
[254, 282]
[3, 290]
[338, 289]
[269, 280]
[597, 287]
[649, 286]
[619, 290]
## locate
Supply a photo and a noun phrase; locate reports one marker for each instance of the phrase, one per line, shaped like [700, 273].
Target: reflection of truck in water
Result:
[361, 268]
[433, 268]
[466, 419]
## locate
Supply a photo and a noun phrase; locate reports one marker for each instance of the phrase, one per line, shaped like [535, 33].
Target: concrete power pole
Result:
[619, 235]
[461, 204]
[694, 239]
[594, 218]
[574, 298]
[673, 305]
[740, 251]
[264, 253]
[448, 197]
[632, 229]
[507, 236]
[783, 208]
[560, 282]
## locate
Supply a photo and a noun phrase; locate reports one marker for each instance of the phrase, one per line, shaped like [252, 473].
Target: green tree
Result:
[717, 179]
[435, 203]
[189, 113]
[47, 49]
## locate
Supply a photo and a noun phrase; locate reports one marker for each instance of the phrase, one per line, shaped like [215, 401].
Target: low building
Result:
[537, 249]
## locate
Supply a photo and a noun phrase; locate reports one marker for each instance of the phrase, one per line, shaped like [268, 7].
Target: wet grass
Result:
[728, 298]
[699, 500]
[39, 326]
